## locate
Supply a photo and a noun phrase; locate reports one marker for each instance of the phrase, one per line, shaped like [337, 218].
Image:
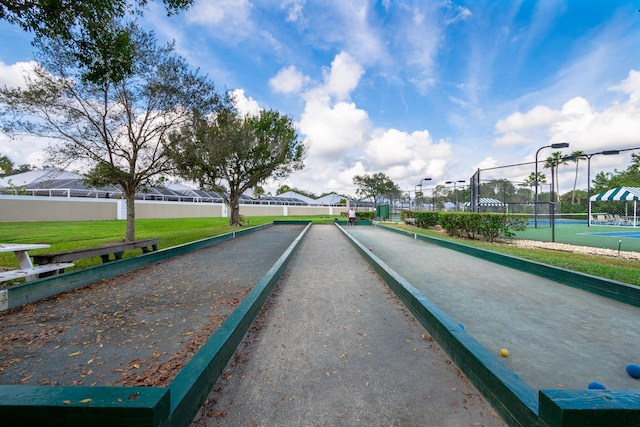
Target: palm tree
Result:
[576, 156]
[554, 163]
[531, 181]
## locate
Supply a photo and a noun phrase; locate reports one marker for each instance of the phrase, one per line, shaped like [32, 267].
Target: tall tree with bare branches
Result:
[115, 129]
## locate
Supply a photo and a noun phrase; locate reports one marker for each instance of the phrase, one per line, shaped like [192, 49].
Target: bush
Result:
[364, 216]
[489, 226]
[427, 219]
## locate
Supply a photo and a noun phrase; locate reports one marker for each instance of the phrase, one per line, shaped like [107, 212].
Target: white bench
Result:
[410, 221]
[27, 270]
[33, 272]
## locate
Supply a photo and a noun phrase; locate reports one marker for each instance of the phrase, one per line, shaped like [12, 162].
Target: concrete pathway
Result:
[334, 347]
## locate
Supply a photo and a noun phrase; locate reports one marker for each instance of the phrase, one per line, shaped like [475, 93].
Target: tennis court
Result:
[577, 232]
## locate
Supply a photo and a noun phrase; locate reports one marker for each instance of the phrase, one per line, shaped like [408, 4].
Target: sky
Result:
[413, 89]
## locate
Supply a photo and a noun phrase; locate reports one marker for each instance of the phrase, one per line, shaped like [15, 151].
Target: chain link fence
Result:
[589, 199]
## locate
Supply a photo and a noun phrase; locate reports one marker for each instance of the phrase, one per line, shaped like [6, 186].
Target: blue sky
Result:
[413, 89]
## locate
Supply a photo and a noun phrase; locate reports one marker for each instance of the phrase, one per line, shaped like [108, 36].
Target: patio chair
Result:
[621, 221]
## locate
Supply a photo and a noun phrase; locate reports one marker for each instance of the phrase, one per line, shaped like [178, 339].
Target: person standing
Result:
[352, 216]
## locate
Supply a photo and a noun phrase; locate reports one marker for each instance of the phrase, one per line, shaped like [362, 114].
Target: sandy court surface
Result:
[334, 347]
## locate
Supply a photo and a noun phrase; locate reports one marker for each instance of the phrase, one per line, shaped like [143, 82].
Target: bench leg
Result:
[147, 249]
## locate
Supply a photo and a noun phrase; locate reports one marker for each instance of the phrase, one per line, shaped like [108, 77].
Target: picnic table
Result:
[27, 270]
[105, 251]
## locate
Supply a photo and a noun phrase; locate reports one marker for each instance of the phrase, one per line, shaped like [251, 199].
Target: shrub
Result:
[365, 216]
[489, 226]
[427, 219]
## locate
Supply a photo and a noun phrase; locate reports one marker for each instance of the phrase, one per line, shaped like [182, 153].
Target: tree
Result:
[630, 177]
[376, 187]
[7, 167]
[86, 27]
[258, 191]
[576, 156]
[283, 189]
[531, 180]
[116, 129]
[500, 189]
[240, 151]
[553, 163]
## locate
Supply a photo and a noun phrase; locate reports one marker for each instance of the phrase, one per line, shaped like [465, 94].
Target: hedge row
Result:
[470, 225]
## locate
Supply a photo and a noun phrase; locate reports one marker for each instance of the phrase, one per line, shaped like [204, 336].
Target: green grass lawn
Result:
[171, 232]
[69, 235]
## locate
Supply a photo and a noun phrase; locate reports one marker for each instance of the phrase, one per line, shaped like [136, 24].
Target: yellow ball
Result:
[504, 352]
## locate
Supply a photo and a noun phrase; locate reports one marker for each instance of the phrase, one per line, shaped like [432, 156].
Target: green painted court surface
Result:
[578, 233]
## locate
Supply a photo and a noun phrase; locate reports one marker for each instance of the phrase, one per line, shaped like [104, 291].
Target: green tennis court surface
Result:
[575, 232]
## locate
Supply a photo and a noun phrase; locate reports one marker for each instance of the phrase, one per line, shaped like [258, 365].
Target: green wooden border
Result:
[83, 406]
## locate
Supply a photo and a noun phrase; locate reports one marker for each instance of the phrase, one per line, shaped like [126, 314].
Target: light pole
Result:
[454, 189]
[423, 179]
[535, 206]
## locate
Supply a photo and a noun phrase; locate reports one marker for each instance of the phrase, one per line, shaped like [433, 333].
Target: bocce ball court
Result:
[562, 330]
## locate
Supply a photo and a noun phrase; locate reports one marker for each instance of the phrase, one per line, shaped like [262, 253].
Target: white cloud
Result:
[512, 138]
[342, 144]
[288, 81]
[294, 9]
[246, 106]
[221, 11]
[334, 130]
[538, 116]
[578, 122]
[630, 86]
[14, 75]
[24, 150]
[332, 126]
[408, 155]
[226, 19]
[343, 76]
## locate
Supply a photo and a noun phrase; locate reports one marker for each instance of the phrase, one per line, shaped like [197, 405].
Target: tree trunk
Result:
[234, 210]
[131, 216]
[575, 183]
